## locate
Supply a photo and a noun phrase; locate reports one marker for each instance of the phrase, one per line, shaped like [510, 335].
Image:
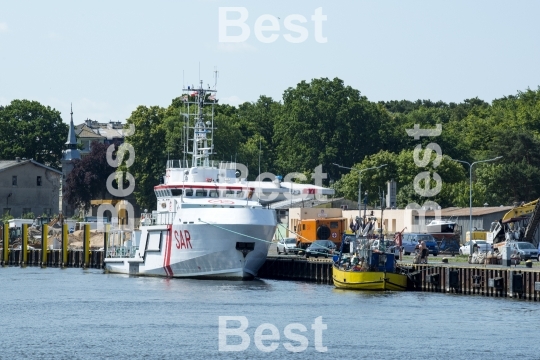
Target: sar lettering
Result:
[183, 241]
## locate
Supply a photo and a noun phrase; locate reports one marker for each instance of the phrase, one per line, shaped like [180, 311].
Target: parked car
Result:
[449, 246]
[525, 250]
[320, 248]
[408, 243]
[483, 246]
[411, 240]
[287, 246]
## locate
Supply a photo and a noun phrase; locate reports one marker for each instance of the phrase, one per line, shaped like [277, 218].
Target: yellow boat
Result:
[362, 267]
[368, 280]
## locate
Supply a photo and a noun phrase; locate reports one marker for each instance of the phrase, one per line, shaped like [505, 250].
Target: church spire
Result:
[71, 151]
[71, 140]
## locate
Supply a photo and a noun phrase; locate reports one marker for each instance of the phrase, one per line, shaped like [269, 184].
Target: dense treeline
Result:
[327, 122]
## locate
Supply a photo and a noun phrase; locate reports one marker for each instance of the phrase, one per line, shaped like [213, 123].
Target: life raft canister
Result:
[323, 232]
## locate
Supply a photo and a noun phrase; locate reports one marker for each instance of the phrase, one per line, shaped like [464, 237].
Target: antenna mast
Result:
[202, 141]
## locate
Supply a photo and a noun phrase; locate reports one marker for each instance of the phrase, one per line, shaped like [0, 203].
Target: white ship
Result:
[207, 223]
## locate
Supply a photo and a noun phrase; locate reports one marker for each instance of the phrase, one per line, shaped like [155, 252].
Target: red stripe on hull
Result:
[167, 256]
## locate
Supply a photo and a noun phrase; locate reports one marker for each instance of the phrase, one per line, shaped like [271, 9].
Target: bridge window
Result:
[176, 192]
[200, 193]
[228, 193]
[189, 192]
[213, 193]
[240, 194]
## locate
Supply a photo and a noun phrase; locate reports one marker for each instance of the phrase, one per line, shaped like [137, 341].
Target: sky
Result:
[108, 57]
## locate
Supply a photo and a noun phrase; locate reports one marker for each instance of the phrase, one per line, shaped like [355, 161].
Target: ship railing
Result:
[121, 251]
[163, 218]
[185, 164]
[227, 165]
[120, 244]
[158, 218]
[177, 164]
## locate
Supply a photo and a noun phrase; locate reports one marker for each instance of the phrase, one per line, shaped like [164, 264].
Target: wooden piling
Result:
[5, 250]
[65, 241]
[86, 247]
[44, 238]
[24, 245]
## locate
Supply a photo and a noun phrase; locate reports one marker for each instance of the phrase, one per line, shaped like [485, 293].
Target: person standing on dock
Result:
[424, 253]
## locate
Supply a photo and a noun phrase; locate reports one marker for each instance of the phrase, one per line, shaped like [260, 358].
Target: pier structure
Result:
[46, 257]
[465, 279]
[483, 280]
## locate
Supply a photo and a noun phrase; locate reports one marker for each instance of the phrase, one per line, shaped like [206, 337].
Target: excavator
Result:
[518, 224]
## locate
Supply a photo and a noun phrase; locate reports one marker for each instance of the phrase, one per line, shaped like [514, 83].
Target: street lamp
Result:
[360, 182]
[470, 195]
[365, 203]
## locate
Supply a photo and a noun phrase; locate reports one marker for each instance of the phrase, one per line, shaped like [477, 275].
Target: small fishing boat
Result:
[446, 233]
[359, 266]
[441, 226]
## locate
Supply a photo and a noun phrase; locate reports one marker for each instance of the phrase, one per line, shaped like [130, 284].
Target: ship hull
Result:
[235, 247]
[368, 280]
[441, 227]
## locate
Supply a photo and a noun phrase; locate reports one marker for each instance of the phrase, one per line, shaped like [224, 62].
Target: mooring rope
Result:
[298, 235]
[248, 236]
[235, 232]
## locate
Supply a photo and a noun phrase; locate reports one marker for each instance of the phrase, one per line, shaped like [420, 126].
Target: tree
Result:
[149, 142]
[325, 122]
[401, 168]
[256, 123]
[514, 178]
[87, 180]
[31, 130]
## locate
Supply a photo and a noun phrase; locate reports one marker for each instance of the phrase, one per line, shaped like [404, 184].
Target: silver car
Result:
[287, 246]
[525, 250]
[409, 244]
[482, 245]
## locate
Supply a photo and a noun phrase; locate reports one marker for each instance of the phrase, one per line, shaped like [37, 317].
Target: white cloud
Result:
[3, 27]
[241, 47]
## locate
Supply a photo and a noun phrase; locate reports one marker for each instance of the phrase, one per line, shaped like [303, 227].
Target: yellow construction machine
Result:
[518, 224]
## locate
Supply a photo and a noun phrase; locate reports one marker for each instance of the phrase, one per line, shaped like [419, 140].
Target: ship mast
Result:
[202, 141]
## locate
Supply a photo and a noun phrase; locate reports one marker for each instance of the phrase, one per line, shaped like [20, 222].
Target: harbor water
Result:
[86, 314]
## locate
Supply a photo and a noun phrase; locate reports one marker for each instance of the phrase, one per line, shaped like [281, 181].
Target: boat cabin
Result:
[362, 256]
[197, 192]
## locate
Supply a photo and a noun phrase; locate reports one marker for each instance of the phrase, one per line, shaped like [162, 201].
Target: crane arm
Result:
[521, 210]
